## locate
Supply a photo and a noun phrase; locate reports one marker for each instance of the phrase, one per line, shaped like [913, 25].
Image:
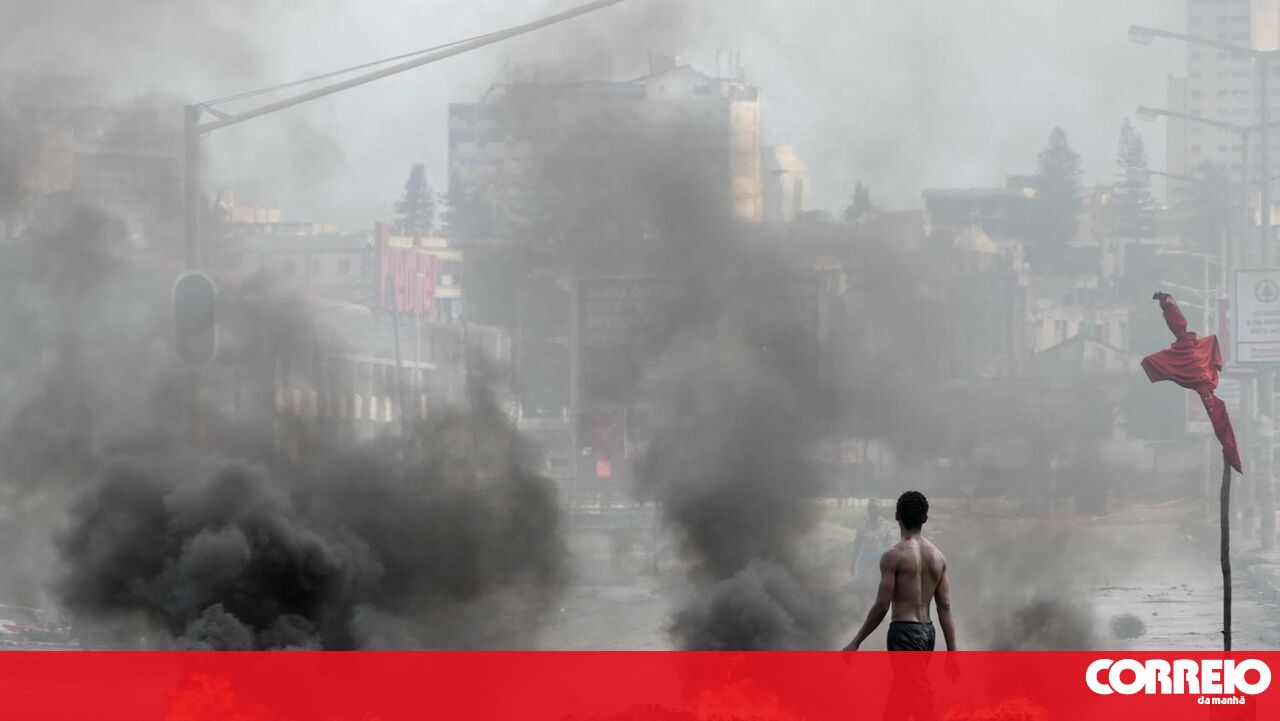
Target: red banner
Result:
[636, 686]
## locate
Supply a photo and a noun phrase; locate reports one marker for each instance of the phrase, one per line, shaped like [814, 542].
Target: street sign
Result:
[1255, 308]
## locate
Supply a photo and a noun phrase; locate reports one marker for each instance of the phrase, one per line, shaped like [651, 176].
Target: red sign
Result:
[604, 469]
[553, 686]
[407, 277]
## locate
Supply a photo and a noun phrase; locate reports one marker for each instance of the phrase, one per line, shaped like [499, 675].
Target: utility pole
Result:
[1266, 483]
[194, 128]
[191, 203]
[1266, 383]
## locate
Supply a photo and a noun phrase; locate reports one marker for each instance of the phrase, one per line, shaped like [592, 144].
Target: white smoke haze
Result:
[449, 536]
[900, 95]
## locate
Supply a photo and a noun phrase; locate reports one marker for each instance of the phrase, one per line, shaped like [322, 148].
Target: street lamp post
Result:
[1230, 252]
[1266, 379]
[1266, 497]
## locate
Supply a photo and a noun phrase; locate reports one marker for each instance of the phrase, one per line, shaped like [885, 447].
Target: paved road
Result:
[1086, 575]
[1177, 592]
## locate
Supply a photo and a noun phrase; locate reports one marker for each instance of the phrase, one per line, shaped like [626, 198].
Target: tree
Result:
[1057, 205]
[1133, 211]
[417, 207]
[860, 206]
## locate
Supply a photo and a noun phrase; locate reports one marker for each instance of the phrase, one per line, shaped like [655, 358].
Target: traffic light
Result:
[195, 336]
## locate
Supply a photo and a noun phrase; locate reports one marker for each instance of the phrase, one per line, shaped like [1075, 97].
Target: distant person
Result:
[874, 536]
[912, 573]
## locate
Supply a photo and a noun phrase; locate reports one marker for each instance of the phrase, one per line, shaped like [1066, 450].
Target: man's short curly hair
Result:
[913, 509]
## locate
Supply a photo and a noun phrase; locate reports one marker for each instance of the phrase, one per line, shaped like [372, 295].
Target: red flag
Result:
[1194, 363]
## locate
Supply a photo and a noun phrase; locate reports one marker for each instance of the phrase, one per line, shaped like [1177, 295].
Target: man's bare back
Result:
[918, 568]
[913, 574]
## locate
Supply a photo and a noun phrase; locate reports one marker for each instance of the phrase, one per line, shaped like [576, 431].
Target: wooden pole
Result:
[1224, 520]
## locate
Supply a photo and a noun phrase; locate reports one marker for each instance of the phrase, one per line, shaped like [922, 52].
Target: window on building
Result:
[315, 265]
[1059, 331]
[1195, 148]
[1195, 56]
[288, 268]
[344, 266]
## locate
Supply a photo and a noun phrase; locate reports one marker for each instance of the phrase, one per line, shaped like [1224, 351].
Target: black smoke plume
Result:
[246, 528]
[406, 544]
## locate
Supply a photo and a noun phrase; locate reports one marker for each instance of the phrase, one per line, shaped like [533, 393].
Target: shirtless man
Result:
[912, 574]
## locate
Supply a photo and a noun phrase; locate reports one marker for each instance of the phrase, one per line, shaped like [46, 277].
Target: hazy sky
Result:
[902, 95]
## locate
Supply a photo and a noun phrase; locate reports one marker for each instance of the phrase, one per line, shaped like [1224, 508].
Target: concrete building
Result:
[787, 189]
[125, 160]
[1222, 87]
[335, 264]
[1060, 309]
[578, 135]
[999, 212]
[1082, 355]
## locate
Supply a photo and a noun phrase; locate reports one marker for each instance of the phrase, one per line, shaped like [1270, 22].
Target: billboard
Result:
[1255, 309]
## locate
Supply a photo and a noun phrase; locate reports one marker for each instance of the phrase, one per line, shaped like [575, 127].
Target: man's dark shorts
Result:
[911, 636]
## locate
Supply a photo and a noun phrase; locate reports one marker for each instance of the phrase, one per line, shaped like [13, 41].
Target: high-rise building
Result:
[1222, 86]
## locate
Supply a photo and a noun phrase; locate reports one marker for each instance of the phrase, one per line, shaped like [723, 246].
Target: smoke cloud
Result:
[211, 520]
[406, 547]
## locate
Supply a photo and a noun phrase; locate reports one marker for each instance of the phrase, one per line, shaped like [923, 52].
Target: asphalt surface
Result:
[1120, 583]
